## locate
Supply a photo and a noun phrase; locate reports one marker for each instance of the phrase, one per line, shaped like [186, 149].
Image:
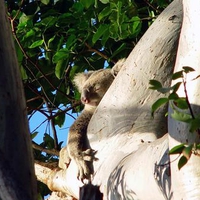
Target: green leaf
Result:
[181, 103]
[162, 3]
[33, 135]
[49, 21]
[36, 44]
[182, 161]
[48, 140]
[24, 75]
[155, 84]
[60, 68]
[45, 2]
[187, 69]
[177, 149]
[77, 8]
[120, 49]
[105, 38]
[194, 124]
[180, 116]
[105, 1]
[173, 96]
[23, 20]
[136, 25]
[176, 86]
[60, 43]
[50, 40]
[71, 40]
[164, 90]
[30, 34]
[187, 151]
[158, 104]
[100, 31]
[60, 119]
[87, 3]
[177, 75]
[61, 54]
[197, 146]
[104, 13]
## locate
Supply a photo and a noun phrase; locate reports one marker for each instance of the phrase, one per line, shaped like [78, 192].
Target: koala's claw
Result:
[89, 155]
[85, 164]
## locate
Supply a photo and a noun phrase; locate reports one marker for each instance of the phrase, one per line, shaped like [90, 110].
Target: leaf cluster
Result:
[185, 151]
[180, 105]
[182, 111]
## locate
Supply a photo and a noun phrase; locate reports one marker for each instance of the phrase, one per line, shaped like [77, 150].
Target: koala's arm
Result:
[78, 146]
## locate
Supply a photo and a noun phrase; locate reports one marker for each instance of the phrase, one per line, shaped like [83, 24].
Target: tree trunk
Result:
[122, 127]
[186, 182]
[17, 178]
[122, 123]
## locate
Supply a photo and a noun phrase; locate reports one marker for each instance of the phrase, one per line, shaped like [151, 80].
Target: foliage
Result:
[182, 111]
[55, 39]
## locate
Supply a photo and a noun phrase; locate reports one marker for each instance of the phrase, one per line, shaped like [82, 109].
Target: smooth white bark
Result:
[123, 124]
[186, 182]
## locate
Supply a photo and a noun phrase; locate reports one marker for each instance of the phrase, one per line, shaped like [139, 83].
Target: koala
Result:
[92, 86]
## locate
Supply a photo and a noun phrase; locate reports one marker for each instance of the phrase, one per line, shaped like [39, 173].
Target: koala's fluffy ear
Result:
[116, 68]
[80, 79]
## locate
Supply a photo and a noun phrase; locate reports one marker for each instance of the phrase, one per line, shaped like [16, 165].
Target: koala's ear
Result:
[116, 68]
[81, 78]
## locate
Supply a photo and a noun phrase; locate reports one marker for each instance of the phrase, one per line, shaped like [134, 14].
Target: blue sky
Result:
[62, 132]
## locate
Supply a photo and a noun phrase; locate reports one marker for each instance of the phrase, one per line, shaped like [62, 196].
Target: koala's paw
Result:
[85, 164]
[89, 155]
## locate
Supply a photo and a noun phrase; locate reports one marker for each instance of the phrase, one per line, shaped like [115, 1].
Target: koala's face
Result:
[96, 86]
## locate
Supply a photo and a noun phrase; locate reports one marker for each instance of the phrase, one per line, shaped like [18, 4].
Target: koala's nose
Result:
[85, 100]
[85, 96]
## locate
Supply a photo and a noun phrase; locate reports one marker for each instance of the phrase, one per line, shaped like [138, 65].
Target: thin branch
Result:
[78, 103]
[54, 152]
[188, 103]
[52, 125]
[151, 6]
[50, 165]
[39, 125]
[187, 100]
[96, 51]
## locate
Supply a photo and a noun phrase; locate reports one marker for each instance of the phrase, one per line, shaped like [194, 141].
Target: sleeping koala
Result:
[92, 86]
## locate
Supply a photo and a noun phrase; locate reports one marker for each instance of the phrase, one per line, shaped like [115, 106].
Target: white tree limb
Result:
[186, 182]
